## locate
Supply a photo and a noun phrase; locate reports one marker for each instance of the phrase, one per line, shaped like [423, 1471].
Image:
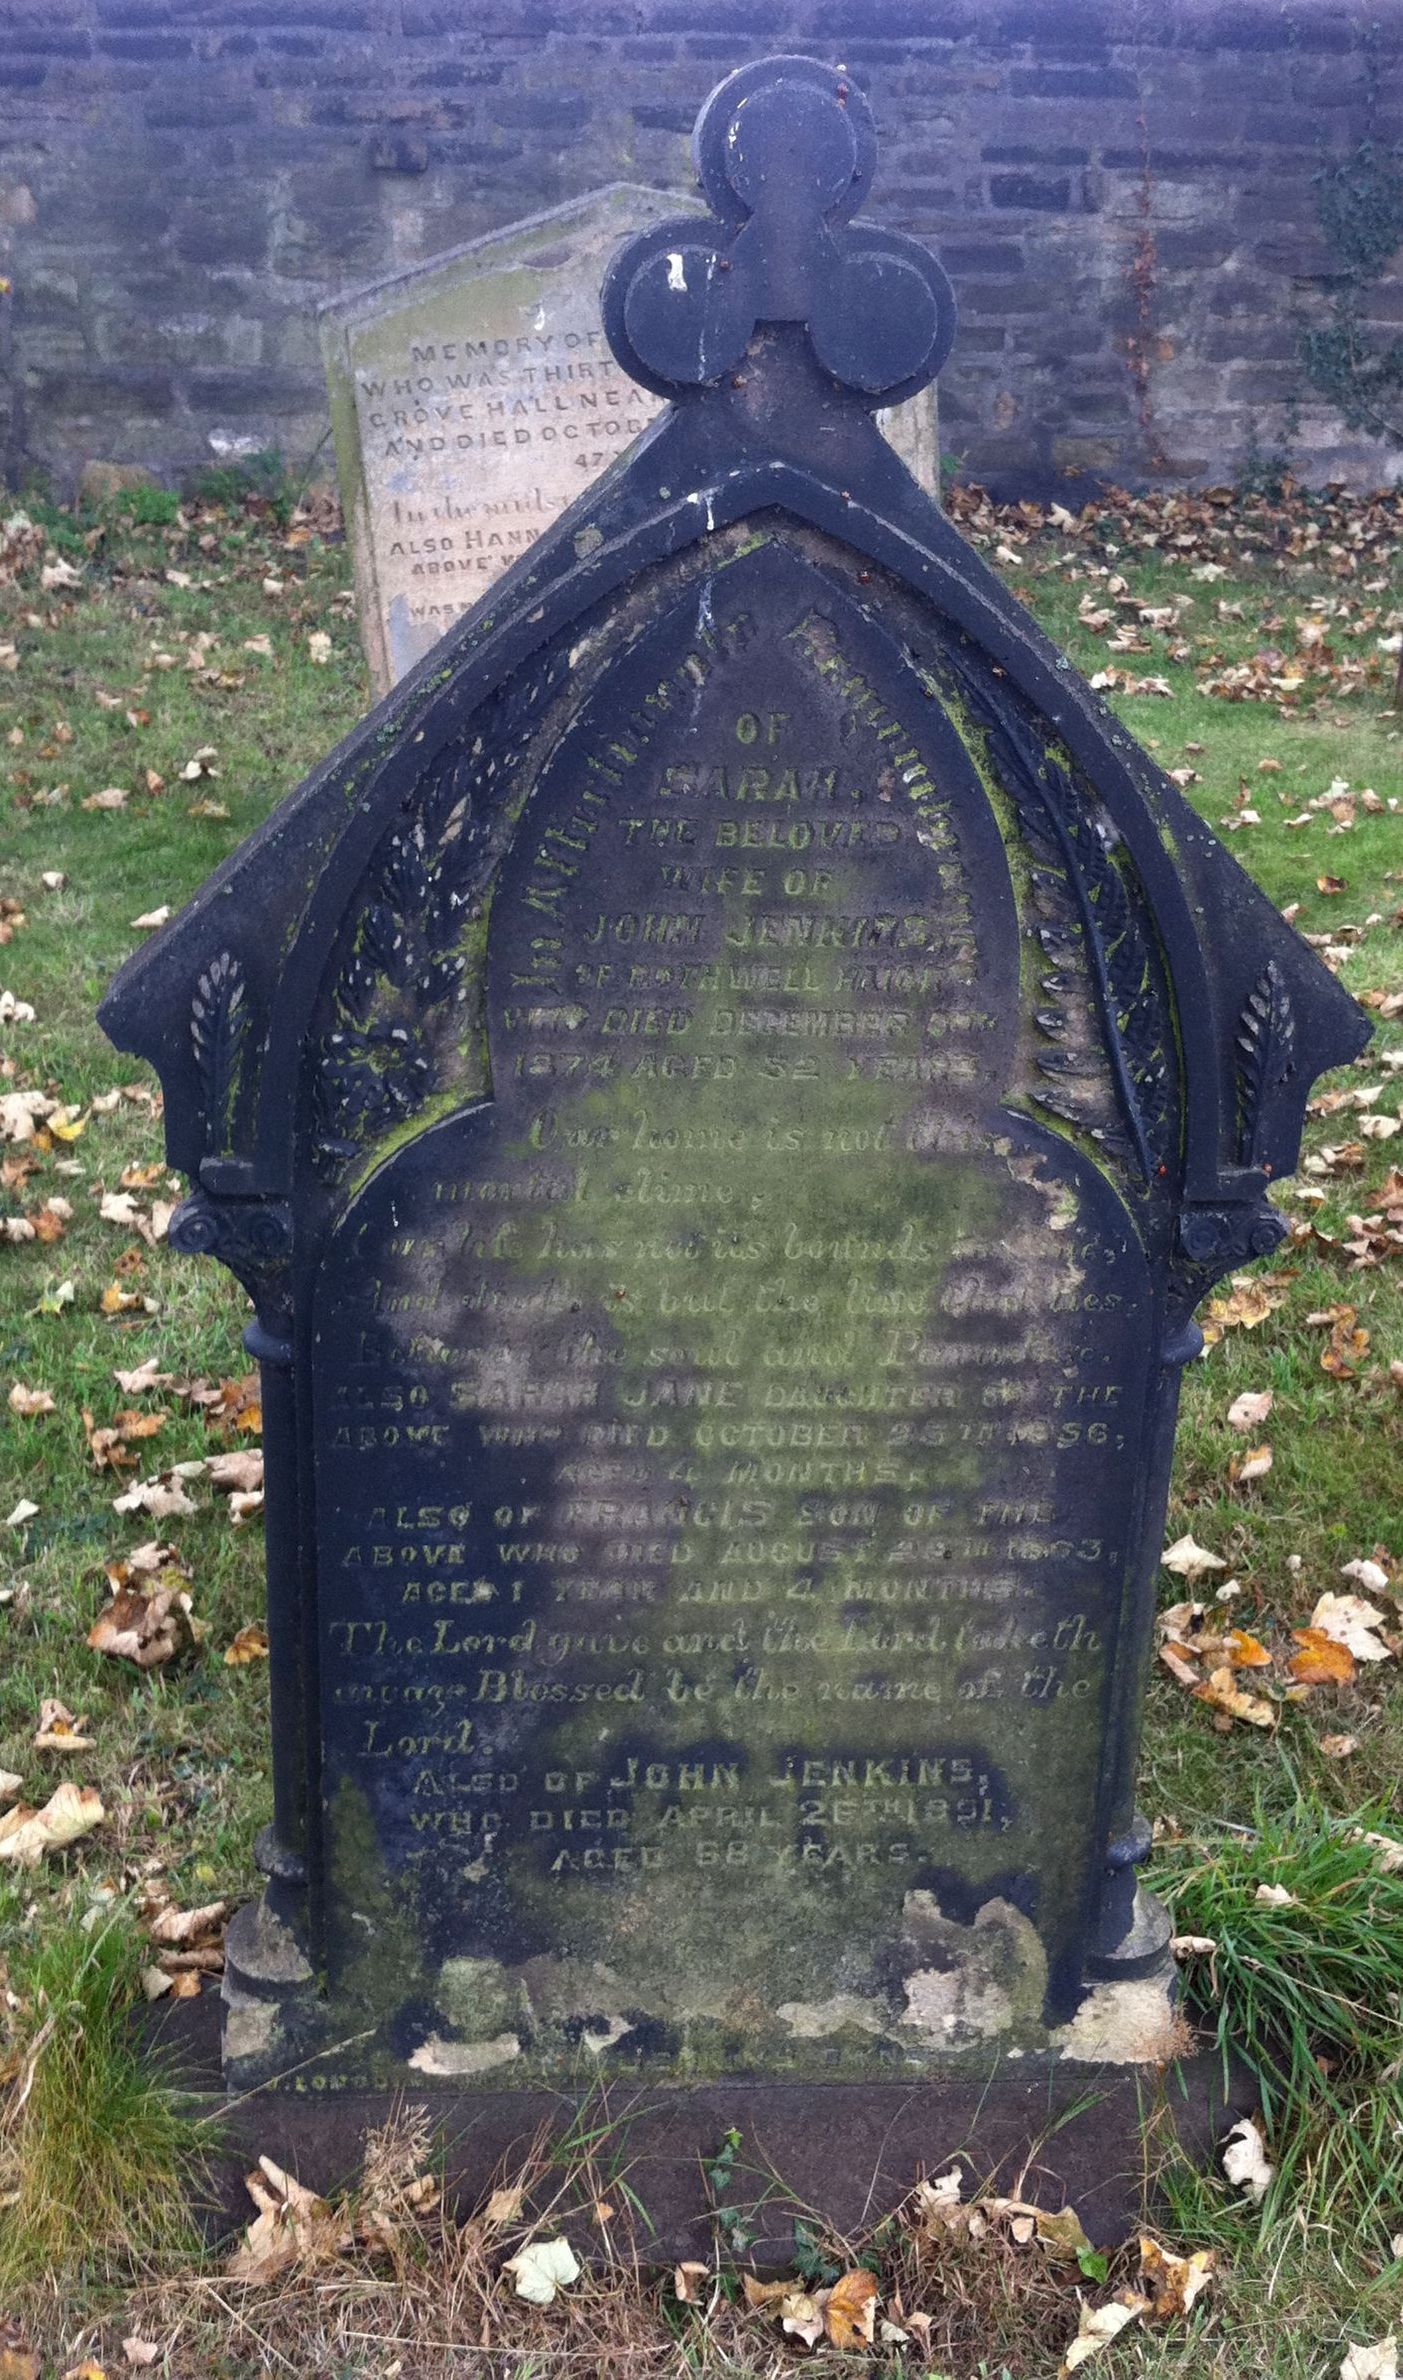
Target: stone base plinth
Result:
[846, 2152]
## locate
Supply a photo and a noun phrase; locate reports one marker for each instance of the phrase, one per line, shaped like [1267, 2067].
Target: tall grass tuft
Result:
[96, 2161]
[1308, 1992]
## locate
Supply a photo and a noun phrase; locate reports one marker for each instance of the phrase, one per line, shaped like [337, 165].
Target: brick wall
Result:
[1121, 189]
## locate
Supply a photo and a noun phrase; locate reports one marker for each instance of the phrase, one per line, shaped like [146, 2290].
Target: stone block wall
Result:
[1122, 190]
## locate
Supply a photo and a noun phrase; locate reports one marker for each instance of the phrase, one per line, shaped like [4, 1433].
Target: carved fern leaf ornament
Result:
[1266, 1056]
[219, 1019]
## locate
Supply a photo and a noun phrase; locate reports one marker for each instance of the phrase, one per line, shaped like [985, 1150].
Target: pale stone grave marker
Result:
[475, 398]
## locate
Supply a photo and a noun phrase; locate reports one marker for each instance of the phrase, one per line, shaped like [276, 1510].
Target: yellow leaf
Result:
[1244, 1651]
[1321, 1661]
[1173, 2281]
[802, 2316]
[251, 1644]
[851, 2310]
[1224, 1695]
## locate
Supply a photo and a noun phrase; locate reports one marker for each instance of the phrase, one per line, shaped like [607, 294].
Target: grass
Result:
[192, 635]
[95, 2156]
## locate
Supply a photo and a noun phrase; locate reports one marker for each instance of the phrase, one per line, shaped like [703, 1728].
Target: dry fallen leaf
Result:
[140, 2351]
[542, 2268]
[240, 1470]
[1352, 1622]
[851, 2309]
[26, 1835]
[186, 1929]
[1190, 1561]
[1246, 1305]
[147, 1629]
[1372, 2363]
[689, 2282]
[1173, 2281]
[1339, 1747]
[30, 1401]
[1098, 2326]
[1255, 1464]
[1250, 1410]
[1322, 1659]
[292, 2226]
[1275, 1896]
[1221, 1690]
[59, 1731]
[801, 2315]
[1245, 2160]
[1371, 1576]
[143, 1379]
[251, 1644]
[161, 1496]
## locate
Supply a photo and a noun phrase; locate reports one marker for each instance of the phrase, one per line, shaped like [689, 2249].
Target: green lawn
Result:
[201, 666]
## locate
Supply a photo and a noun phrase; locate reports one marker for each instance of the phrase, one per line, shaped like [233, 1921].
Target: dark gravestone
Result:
[726, 1091]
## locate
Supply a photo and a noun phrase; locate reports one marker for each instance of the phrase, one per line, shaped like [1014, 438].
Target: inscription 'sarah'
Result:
[725, 1091]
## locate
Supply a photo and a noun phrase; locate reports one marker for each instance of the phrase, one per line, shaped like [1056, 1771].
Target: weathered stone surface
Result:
[726, 1092]
[293, 105]
[475, 398]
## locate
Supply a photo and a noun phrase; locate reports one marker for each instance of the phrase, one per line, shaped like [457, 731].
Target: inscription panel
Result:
[723, 1433]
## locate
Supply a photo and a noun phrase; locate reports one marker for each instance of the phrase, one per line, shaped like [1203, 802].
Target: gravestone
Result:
[726, 1091]
[475, 397]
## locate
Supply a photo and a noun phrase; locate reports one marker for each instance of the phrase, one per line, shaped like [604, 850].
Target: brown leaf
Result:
[1246, 1305]
[759, 2294]
[1255, 1464]
[851, 2310]
[1173, 2281]
[134, 1424]
[293, 2226]
[30, 1402]
[689, 2282]
[146, 1629]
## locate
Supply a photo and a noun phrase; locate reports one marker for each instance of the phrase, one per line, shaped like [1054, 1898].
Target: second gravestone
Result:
[474, 397]
[726, 1092]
